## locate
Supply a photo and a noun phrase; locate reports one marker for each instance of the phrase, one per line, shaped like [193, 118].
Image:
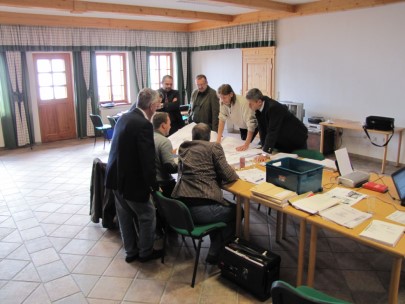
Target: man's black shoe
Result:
[156, 254]
[130, 259]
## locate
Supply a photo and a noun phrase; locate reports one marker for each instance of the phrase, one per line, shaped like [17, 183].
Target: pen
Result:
[260, 179]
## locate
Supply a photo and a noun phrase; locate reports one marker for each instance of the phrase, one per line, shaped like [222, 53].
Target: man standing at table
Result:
[131, 174]
[204, 104]
[202, 171]
[171, 104]
[278, 127]
[165, 164]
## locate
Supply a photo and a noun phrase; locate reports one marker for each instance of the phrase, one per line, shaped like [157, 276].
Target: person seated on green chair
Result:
[202, 171]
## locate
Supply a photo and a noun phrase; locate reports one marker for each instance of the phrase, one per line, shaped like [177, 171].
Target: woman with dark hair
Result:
[235, 109]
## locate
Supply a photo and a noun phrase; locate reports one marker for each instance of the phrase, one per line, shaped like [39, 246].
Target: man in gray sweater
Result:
[165, 164]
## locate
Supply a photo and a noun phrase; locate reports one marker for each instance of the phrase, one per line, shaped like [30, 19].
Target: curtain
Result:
[180, 77]
[7, 113]
[80, 95]
[14, 63]
[26, 98]
[93, 87]
[141, 63]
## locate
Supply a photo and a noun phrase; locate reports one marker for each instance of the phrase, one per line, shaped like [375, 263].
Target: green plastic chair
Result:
[311, 154]
[176, 215]
[284, 293]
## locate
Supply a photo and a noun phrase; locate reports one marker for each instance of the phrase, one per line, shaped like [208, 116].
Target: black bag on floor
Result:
[251, 267]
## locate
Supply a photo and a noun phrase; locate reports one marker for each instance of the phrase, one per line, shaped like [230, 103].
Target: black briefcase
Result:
[251, 267]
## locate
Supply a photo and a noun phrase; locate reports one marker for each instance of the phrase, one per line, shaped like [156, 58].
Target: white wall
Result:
[346, 65]
[220, 67]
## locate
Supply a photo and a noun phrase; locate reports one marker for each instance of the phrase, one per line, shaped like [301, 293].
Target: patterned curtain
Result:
[7, 113]
[21, 112]
[86, 73]
[140, 59]
[81, 95]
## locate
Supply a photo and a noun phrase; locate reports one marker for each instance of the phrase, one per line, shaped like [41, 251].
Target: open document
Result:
[253, 175]
[316, 203]
[345, 215]
[347, 196]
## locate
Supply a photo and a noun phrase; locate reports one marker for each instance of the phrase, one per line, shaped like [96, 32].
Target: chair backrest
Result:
[112, 121]
[311, 154]
[96, 120]
[174, 212]
[284, 293]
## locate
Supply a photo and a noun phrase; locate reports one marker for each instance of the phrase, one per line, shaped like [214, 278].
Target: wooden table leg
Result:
[312, 255]
[246, 205]
[278, 226]
[399, 147]
[385, 155]
[322, 138]
[239, 201]
[301, 252]
[284, 233]
[395, 277]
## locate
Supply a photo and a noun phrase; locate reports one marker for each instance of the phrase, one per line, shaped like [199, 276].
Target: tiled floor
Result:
[50, 252]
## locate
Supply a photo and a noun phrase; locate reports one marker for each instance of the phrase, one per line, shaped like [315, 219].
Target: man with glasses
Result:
[204, 104]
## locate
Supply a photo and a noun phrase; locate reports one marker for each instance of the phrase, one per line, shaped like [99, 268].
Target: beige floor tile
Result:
[32, 233]
[120, 268]
[44, 256]
[9, 268]
[77, 298]
[181, 293]
[38, 296]
[28, 274]
[92, 265]
[61, 288]
[110, 288]
[78, 246]
[90, 233]
[16, 292]
[52, 271]
[7, 248]
[20, 253]
[218, 291]
[146, 291]
[37, 244]
[105, 249]
[85, 282]
[71, 260]
[56, 218]
[78, 220]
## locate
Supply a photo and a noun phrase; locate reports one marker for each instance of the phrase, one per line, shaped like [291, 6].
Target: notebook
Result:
[399, 181]
[348, 176]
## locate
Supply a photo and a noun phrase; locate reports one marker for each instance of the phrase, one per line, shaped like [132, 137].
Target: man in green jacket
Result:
[204, 104]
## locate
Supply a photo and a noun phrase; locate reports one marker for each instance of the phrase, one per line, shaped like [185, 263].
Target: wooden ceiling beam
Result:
[80, 22]
[78, 7]
[260, 4]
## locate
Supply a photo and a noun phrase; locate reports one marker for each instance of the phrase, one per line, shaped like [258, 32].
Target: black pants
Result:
[243, 133]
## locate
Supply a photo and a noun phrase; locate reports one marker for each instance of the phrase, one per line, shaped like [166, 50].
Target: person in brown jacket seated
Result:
[202, 171]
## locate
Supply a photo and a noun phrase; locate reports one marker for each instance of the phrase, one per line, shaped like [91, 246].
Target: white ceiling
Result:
[169, 15]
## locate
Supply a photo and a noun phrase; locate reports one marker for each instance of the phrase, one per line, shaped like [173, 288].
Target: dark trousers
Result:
[243, 133]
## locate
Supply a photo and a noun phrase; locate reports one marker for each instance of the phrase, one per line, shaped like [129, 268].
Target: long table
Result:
[384, 206]
[357, 126]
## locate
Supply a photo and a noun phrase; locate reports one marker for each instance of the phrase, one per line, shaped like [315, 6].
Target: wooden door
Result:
[55, 96]
[258, 70]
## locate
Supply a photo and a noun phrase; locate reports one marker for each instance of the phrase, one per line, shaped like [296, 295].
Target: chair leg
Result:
[95, 137]
[197, 257]
[105, 136]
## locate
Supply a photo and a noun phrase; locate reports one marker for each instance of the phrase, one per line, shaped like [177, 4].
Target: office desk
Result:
[383, 208]
[243, 196]
[357, 126]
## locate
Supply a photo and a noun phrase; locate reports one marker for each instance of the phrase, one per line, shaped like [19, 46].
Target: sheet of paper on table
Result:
[345, 215]
[397, 216]
[348, 196]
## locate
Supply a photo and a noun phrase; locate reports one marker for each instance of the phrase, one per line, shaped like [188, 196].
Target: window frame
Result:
[124, 56]
[171, 70]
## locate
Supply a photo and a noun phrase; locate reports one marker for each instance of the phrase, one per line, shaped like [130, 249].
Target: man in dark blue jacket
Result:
[278, 127]
[131, 174]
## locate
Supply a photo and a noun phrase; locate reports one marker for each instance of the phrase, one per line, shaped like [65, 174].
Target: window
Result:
[51, 79]
[111, 77]
[160, 64]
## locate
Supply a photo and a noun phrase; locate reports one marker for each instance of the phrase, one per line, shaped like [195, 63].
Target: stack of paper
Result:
[314, 204]
[383, 232]
[345, 215]
[253, 175]
[273, 193]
